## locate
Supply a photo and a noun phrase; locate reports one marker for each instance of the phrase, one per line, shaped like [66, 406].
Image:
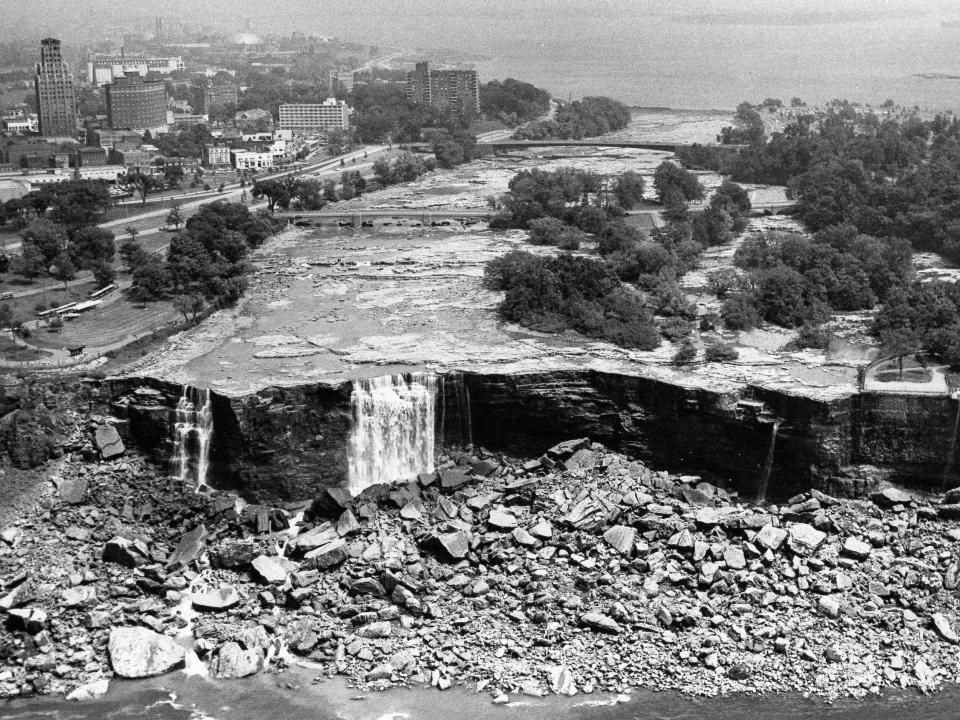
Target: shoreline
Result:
[293, 693]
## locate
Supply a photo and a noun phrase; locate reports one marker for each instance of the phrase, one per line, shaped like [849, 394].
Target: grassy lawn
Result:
[25, 308]
[9, 350]
[109, 324]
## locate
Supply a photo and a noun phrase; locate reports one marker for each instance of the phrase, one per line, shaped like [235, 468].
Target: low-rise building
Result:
[131, 158]
[33, 153]
[91, 156]
[216, 156]
[187, 119]
[104, 69]
[114, 139]
[251, 159]
[308, 118]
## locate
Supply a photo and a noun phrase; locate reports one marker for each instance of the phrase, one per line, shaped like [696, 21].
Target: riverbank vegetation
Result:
[579, 119]
[513, 102]
[553, 294]
[206, 263]
[872, 188]
[570, 209]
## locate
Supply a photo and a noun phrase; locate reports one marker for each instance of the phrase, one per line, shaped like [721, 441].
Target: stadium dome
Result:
[246, 38]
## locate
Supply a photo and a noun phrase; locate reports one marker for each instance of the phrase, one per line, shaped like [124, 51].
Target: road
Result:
[149, 223]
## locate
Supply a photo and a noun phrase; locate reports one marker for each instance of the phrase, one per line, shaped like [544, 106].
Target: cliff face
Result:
[727, 435]
[913, 435]
[289, 443]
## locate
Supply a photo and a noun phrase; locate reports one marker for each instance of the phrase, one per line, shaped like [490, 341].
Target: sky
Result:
[402, 21]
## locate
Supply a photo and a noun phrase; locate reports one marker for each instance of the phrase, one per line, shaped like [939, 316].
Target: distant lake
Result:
[711, 61]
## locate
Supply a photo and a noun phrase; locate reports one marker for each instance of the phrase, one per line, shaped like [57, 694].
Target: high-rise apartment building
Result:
[211, 98]
[331, 114]
[454, 90]
[135, 103]
[56, 99]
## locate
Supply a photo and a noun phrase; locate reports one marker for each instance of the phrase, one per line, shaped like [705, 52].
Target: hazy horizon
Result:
[679, 53]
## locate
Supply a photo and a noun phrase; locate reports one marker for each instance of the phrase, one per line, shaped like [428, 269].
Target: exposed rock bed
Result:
[574, 572]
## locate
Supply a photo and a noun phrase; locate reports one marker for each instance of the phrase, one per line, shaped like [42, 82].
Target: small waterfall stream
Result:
[393, 435]
[193, 430]
[768, 462]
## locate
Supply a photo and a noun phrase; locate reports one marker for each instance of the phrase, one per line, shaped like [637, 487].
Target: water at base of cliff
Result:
[293, 695]
[393, 435]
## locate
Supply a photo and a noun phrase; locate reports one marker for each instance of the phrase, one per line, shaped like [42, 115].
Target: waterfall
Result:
[393, 436]
[193, 429]
[768, 463]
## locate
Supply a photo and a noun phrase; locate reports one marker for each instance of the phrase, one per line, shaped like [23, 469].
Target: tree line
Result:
[589, 117]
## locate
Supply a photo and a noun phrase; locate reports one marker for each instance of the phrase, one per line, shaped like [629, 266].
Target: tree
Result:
[103, 273]
[277, 192]
[55, 323]
[175, 216]
[143, 184]
[670, 175]
[31, 261]
[190, 305]
[628, 189]
[6, 316]
[173, 174]
[46, 237]
[900, 342]
[150, 280]
[686, 353]
[78, 203]
[63, 268]
[91, 245]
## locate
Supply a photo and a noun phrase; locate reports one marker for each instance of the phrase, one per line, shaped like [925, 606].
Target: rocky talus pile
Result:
[579, 571]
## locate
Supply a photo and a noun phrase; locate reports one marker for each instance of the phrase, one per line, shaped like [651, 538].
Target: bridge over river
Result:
[426, 216]
[599, 143]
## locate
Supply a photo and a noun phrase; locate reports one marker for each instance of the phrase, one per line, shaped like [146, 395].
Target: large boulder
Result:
[223, 598]
[620, 538]
[108, 442]
[327, 556]
[272, 569]
[137, 652]
[189, 548]
[123, 551]
[805, 539]
[234, 662]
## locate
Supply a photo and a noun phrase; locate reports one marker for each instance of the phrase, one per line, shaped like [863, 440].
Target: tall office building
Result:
[454, 90]
[56, 100]
[136, 104]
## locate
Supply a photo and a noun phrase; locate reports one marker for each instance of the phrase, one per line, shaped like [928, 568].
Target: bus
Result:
[45, 314]
[97, 294]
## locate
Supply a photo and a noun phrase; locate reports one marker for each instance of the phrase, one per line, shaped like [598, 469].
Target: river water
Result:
[292, 696]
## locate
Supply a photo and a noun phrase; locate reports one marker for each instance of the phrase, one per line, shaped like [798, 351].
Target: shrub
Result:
[816, 337]
[709, 322]
[721, 352]
[685, 354]
[675, 328]
[739, 312]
